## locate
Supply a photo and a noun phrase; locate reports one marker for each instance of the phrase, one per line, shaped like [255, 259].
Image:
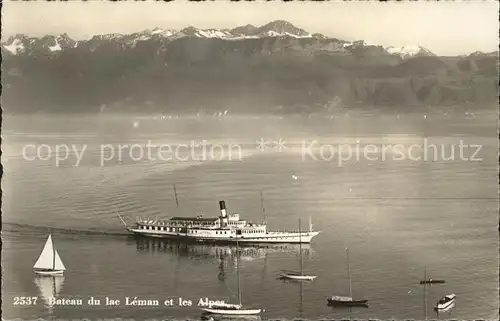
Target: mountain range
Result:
[276, 67]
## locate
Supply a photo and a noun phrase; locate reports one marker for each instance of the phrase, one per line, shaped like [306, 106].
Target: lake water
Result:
[398, 216]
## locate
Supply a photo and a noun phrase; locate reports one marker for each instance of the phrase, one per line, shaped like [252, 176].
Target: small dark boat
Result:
[432, 281]
[346, 301]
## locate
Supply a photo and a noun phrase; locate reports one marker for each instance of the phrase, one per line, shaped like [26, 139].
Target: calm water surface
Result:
[397, 216]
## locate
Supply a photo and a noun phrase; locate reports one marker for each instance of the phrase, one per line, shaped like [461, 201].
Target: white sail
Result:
[46, 258]
[59, 266]
[49, 258]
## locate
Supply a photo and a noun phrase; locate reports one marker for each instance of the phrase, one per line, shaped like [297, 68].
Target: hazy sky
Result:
[446, 28]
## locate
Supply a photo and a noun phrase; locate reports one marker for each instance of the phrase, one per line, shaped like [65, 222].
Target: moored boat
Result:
[232, 310]
[446, 302]
[294, 275]
[432, 281]
[345, 301]
[336, 300]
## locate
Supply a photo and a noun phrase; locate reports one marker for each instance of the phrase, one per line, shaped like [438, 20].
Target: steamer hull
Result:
[212, 237]
[227, 228]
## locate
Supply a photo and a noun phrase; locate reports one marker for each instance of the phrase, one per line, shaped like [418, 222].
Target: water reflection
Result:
[213, 317]
[49, 287]
[301, 300]
[300, 284]
[444, 312]
[225, 256]
[425, 301]
[202, 251]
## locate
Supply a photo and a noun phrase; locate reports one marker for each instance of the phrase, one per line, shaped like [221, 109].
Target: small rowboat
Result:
[293, 275]
[231, 309]
[431, 281]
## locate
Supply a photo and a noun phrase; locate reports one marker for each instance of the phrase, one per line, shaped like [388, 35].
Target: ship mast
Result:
[175, 195]
[262, 206]
[300, 250]
[348, 271]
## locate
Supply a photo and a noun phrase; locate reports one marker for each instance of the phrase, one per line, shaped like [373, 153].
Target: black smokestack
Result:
[222, 205]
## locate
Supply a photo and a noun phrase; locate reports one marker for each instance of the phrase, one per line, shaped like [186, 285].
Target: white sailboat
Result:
[49, 262]
[296, 275]
[229, 308]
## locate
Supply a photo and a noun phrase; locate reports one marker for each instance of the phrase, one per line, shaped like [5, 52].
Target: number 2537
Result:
[25, 300]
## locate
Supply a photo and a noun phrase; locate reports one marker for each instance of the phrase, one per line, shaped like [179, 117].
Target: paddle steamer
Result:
[226, 228]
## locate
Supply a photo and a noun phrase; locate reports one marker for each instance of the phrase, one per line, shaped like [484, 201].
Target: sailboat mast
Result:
[262, 205]
[53, 255]
[238, 269]
[348, 271]
[300, 249]
[175, 195]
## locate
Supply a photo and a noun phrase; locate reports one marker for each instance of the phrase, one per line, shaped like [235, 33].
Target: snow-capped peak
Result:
[30, 45]
[204, 33]
[272, 33]
[359, 43]
[409, 51]
[55, 47]
[15, 46]
[162, 32]
[213, 33]
[156, 31]
[109, 36]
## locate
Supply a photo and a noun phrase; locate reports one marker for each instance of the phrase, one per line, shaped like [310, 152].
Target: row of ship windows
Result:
[173, 229]
[160, 228]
